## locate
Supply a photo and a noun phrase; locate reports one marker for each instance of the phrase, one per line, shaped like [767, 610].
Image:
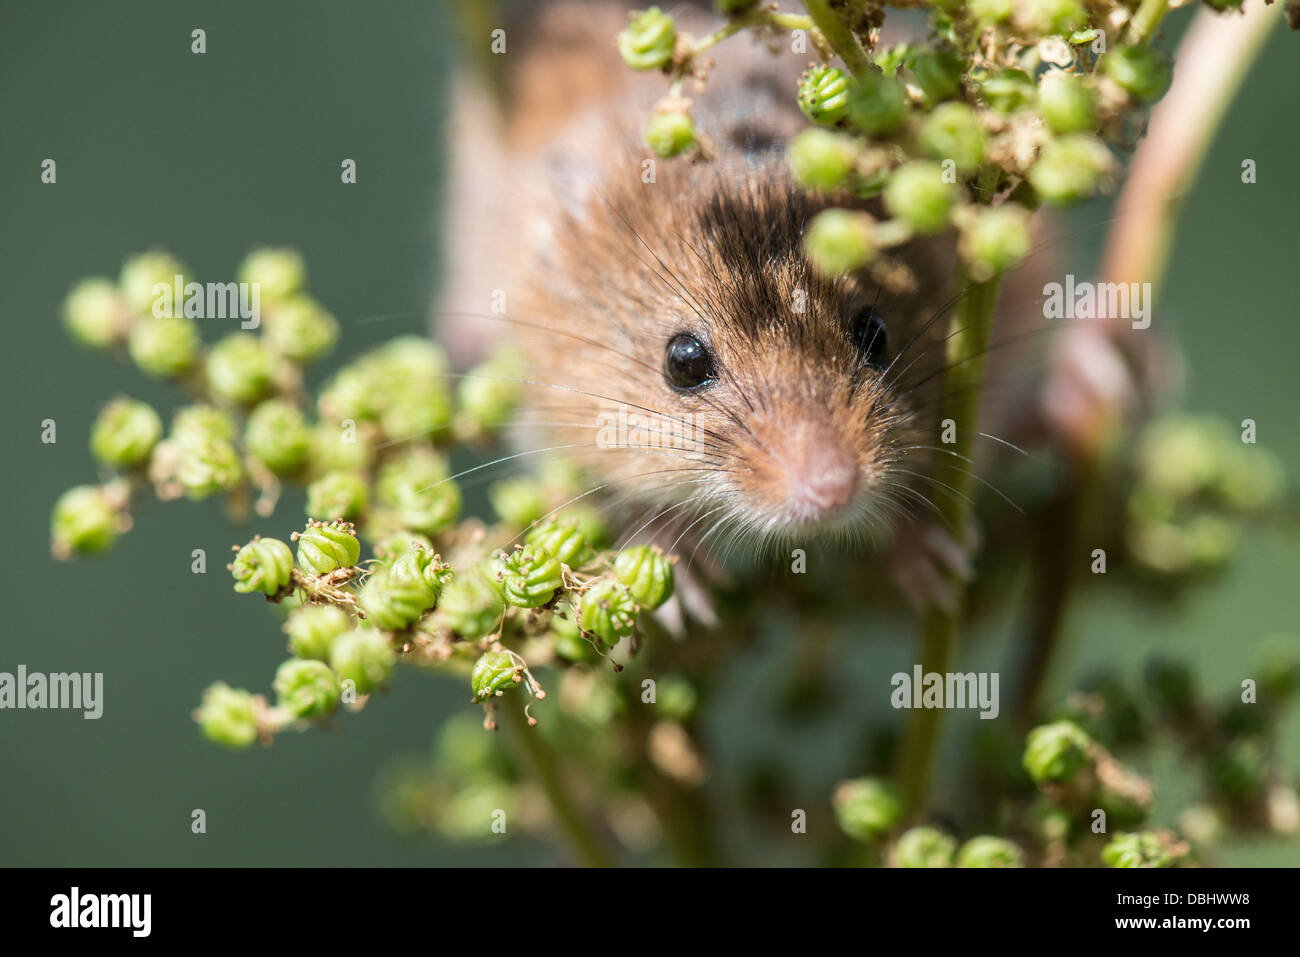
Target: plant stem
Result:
[1148, 17]
[839, 36]
[585, 845]
[940, 627]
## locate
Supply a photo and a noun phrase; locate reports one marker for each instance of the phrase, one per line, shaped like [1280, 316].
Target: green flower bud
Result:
[648, 40]
[395, 543]
[924, 847]
[264, 564]
[141, 273]
[337, 495]
[422, 409]
[877, 104]
[164, 348]
[1240, 771]
[313, 628]
[867, 808]
[564, 540]
[953, 131]
[301, 329]
[670, 133]
[820, 159]
[840, 241]
[278, 273]
[364, 657]
[203, 422]
[587, 520]
[307, 689]
[206, 465]
[824, 94]
[1067, 103]
[350, 394]
[488, 394]
[1138, 70]
[519, 501]
[495, 673]
[993, 239]
[84, 520]
[417, 487]
[1070, 168]
[988, 851]
[607, 611]
[472, 604]
[277, 434]
[125, 433]
[647, 573]
[990, 12]
[676, 698]
[1054, 752]
[336, 447]
[1051, 17]
[530, 577]
[918, 195]
[227, 716]
[95, 312]
[395, 597]
[936, 72]
[1008, 91]
[323, 547]
[567, 637]
[1142, 849]
[239, 369]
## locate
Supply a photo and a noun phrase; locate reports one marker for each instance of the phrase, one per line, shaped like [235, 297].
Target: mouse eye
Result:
[687, 364]
[869, 335]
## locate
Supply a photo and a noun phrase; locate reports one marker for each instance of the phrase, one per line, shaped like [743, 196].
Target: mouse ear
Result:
[870, 336]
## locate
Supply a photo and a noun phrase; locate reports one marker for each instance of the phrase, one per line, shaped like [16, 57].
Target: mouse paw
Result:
[929, 566]
[692, 602]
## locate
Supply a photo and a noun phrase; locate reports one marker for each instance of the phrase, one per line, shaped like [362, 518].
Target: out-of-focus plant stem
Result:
[839, 36]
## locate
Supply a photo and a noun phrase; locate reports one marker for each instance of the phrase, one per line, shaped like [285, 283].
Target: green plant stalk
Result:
[839, 36]
[570, 819]
[1147, 19]
[940, 627]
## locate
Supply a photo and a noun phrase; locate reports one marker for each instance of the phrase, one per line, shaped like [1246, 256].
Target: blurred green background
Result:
[209, 155]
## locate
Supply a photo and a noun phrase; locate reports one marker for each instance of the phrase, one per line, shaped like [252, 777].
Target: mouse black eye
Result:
[687, 364]
[869, 335]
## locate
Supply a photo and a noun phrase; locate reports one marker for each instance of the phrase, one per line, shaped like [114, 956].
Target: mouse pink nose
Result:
[822, 479]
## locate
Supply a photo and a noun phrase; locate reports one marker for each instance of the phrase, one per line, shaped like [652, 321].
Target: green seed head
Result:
[95, 312]
[420, 408]
[395, 597]
[867, 808]
[164, 347]
[953, 131]
[924, 847]
[1008, 91]
[364, 657]
[1138, 70]
[564, 540]
[489, 393]
[278, 273]
[84, 520]
[472, 604]
[986, 851]
[307, 689]
[567, 636]
[202, 422]
[264, 564]
[820, 159]
[994, 239]
[519, 501]
[125, 433]
[670, 133]
[1051, 17]
[530, 577]
[607, 611]
[350, 394]
[877, 104]
[918, 195]
[140, 274]
[239, 369]
[337, 495]
[278, 434]
[393, 544]
[206, 465]
[1140, 849]
[313, 628]
[339, 447]
[325, 546]
[494, 673]
[936, 72]
[1067, 103]
[301, 329]
[648, 40]
[416, 486]
[647, 573]
[1070, 168]
[227, 716]
[840, 241]
[824, 94]
[1055, 752]
[990, 12]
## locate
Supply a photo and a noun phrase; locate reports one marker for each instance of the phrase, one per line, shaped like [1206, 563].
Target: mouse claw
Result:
[929, 566]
